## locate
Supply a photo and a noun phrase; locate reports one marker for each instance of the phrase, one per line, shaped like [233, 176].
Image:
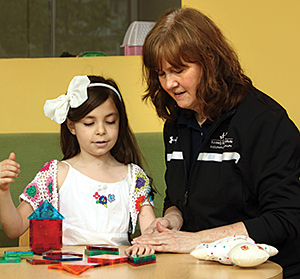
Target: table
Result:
[168, 265]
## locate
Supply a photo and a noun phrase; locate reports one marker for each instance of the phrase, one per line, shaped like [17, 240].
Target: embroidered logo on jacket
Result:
[172, 140]
[222, 143]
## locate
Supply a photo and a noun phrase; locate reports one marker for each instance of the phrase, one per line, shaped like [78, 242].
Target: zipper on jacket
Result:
[186, 194]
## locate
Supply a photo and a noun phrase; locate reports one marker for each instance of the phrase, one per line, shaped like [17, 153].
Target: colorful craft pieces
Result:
[63, 256]
[101, 250]
[45, 228]
[9, 259]
[74, 268]
[40, 261]
[56, 266]
[14, 256]
[19, 253]
[41, 253]
[137, 260]
[73, 262]
[103, 247]
[107, 259]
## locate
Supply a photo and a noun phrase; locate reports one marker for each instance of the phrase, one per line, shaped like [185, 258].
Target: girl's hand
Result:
[9, 169]
[138, 249]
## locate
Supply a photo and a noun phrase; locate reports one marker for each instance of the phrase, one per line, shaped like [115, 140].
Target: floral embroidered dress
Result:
[94, 212]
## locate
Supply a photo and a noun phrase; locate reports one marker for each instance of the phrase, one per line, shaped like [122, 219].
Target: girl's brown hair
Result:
[185, 35]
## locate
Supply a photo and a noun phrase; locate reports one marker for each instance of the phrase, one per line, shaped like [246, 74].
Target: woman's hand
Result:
[138, 249]
[9, 169]
[152, 228]
[166, 240]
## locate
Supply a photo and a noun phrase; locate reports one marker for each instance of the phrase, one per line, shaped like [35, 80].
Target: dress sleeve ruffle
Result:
[140, 190]
[42, 187]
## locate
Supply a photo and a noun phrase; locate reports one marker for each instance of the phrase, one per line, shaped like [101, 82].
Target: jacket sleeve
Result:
[271, 171]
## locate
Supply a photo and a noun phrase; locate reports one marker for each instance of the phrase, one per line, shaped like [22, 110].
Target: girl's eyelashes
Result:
[107, 122]
[88, 124]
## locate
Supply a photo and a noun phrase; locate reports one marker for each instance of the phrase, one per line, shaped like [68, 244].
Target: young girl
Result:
[98, 186]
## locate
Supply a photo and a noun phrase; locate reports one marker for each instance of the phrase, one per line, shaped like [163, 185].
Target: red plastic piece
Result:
[40, 261]
[45, 234]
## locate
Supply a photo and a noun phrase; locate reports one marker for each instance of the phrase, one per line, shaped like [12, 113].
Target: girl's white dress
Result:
[95, 212]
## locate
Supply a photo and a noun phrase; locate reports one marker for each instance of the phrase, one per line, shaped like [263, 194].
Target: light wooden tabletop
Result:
[168, 265]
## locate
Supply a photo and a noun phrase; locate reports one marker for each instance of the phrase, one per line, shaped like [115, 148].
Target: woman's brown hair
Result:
[185, 35]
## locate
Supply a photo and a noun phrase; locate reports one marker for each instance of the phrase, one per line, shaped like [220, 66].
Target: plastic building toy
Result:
[45, 228]
[137, 260]
[74, 268]
[101, 250]
[107, 259]
[84, 262]
[42, 253]
[103, 247]
[50, 253]
[19, 253]
[10, 259]
[40, 261]
[14, 256]
[56, 266]
[63, 256]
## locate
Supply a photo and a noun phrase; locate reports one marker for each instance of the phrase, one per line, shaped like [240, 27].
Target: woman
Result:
[232, 153]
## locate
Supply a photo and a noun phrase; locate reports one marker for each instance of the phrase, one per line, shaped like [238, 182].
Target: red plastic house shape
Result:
[45, 228]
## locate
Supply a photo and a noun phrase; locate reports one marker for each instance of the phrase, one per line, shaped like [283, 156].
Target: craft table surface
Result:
[168, 265]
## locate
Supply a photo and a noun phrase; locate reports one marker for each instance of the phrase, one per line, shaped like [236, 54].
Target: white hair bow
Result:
[58, 108]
